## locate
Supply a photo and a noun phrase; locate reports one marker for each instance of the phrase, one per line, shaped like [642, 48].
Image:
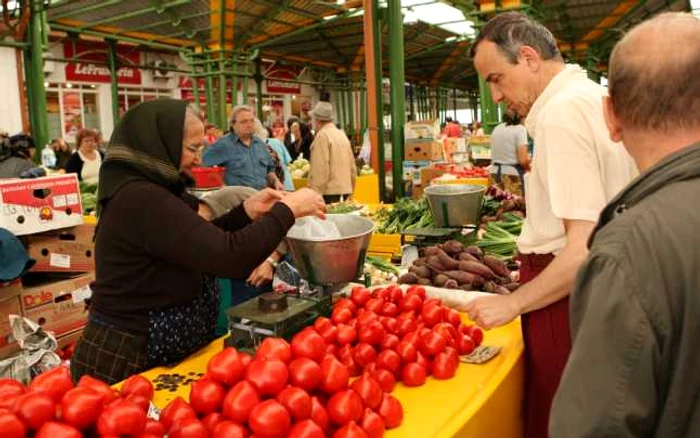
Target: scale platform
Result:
[431, 236]
[273, 314]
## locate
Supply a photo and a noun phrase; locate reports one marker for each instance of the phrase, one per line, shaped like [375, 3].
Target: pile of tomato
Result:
[52, 407]
[334, 379]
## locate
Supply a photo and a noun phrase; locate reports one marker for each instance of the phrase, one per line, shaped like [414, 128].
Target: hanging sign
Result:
[86, 69]
[278, 82]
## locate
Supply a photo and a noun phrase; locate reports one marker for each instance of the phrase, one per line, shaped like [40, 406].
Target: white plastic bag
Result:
[313, 228]
[38, 351]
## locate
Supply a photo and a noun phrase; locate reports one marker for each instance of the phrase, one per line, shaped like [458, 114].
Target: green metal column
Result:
[398, 93]
[209, 85]
[378, 81]
[113, 86]
[195, 93]
[222, 95]
[411, 111]
[351, 109]
[34, 74]
[489, 109]
[234, 86]
[363, 108]
[258, 88]
[341, 110]
[244, 88]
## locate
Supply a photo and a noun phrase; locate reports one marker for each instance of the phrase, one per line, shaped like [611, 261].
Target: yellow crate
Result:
[472, 181]
[385, 243]
[366, 188]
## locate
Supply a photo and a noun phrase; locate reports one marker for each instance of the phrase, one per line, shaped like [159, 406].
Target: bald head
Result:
[653, 78]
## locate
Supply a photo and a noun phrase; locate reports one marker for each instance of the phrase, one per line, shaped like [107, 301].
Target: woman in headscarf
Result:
[154, 300]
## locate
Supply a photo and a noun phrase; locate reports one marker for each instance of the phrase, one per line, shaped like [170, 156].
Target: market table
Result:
[480, 401]
[366, 188]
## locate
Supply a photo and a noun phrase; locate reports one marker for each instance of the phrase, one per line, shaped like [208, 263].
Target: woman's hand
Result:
[261, 202]
[305, 202]
[261, 275]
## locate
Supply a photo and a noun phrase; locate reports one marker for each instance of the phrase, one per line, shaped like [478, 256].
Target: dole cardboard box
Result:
[10, 304]
[30, 206]
[456, 145]
[423, 151]
[422, 130]
[58, 306]
[65, 250]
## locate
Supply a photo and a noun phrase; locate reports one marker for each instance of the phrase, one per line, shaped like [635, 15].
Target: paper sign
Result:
[82, 294]
[60, 260]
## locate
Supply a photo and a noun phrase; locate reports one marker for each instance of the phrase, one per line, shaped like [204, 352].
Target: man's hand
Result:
[305, 202]
[279, 186]
[261, 202]
[261, 275]
[493, 311]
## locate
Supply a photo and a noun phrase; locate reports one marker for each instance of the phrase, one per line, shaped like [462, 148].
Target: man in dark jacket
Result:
[634, 370]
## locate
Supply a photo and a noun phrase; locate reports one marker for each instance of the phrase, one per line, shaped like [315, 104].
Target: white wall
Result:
[10, 109]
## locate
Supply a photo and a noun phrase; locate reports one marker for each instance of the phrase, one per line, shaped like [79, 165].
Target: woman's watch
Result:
[272, 262]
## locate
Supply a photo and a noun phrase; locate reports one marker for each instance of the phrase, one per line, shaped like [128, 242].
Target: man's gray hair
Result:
[662, 94]
[512, 30]
[236, 110]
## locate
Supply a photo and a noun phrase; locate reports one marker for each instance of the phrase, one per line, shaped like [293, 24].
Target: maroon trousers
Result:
[547, 345]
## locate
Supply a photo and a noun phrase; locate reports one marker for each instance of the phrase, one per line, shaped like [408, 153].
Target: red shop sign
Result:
[277, 82]
[85, 70]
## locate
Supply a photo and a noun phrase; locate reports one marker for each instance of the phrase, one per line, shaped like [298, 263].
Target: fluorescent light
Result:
[410, 17]
[452, 38]
[461, 28]
[69, 85]
[340, 2]
[330, 17]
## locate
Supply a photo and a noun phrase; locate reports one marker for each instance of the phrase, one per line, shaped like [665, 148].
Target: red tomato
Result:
[371, 333]
[389, 360]
[322, 323]
[431, 314]
[239, 401]
[341, 315]
[413, 374]
[154, 428]
[366, 317]
[465, 344]
[431, 301]
[138, 385]
[55, 382]
[175, 411]
[345, 303]
[268, 376]
[395, 293]
[297, 401]
[390, 309]
[140, 401]
[347, 358]
[477, 336]
[309, 344]
[447, 331]
[374, 305]
[371, 368]
[229, 429]
[407, 352]
[344, 407]
[270, 419]
[369, 390]
[385, 379]
[412, 337]
[306, 429]
[452, 352]
[245, 358]
[418, 290]
[360, 296]
[372, 424]
[378, 293]
[53, 429]
[226, 367]
[411, 302]
[80, 407]
[319, 415]
[332, 349]
[405, 326]
[34, 409]
[346, 334]
[432, 343]
[275, 348]
[425, 362]
[305, 373]
[329, 334]
[210, 421]
[364, 354]
[389, 341]
[188, 428]
[391, 411]
[390, 325]
[335, 375]
[444, 366]
[350, 430]
[11, 426]
[122, 417]
[206, 396]
[10, 387]
[453, 317]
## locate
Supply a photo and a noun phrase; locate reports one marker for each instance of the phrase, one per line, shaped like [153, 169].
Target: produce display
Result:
[406, 214]
[88, 193]
[365, 170]
[500, 238]
[451, 265]
[346, 207]
[300, 167]
[334, 379]
[380, 271]
[497, 202]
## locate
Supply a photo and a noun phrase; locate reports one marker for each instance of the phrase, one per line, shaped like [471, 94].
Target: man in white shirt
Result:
[576, 170]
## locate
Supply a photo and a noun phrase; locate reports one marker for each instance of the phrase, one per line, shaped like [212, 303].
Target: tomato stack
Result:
[52, 407]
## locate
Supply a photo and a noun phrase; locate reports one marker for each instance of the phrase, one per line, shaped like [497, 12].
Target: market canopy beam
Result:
[82, 10]
[133, 14]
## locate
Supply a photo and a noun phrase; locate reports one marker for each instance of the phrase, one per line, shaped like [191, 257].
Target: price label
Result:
[82, 294]
[59, 260]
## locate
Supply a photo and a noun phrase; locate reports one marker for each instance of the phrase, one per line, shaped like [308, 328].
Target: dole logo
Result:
[45, 214]
[33, 300]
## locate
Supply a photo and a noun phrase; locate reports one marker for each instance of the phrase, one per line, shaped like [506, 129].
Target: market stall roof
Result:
[329, 33]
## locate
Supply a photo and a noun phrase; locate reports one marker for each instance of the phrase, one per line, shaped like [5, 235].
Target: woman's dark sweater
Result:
[152, 249]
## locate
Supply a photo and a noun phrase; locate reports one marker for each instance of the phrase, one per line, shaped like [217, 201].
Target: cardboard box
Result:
[422, 130]
[456, 145]
[30, 206]
[58, 306]
[411, 170]
[10, 304]
[66, 250]
[423, 151]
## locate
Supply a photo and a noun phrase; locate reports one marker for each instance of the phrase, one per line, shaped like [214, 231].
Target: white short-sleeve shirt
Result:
[576, 168]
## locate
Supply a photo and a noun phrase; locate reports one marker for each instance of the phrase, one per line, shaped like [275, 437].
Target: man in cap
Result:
[333, 169]
[635, 312]
[576, 169]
